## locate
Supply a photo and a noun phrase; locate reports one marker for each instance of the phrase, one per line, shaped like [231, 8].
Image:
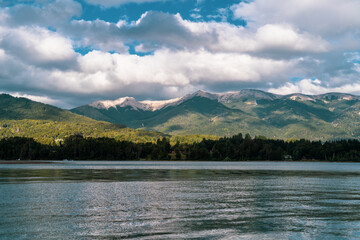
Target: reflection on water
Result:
[107, 202]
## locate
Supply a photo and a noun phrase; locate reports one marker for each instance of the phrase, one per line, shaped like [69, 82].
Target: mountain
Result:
[49, 124]
[325, 116]
[14, 108]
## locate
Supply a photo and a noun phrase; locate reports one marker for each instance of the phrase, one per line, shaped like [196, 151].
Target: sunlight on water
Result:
[113, 200]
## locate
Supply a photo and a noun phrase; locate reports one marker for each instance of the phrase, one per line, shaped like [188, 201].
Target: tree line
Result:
[235, 148]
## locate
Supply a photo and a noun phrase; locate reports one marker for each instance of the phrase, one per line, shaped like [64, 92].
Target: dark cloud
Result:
[154, 29]
[49, 13]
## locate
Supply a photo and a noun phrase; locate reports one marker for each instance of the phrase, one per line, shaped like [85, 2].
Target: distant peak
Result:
[325, 96]
[249, 95]
[300, 97]
[156, 105]
[201, 93]
[122, 102]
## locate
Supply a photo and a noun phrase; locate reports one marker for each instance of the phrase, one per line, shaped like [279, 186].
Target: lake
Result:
[180, 200]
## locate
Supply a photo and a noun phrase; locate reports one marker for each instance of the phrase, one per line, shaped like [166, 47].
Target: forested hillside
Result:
[295, 116]
[50, 125]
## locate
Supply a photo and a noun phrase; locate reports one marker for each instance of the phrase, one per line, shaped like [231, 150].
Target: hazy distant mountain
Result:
[325, 116]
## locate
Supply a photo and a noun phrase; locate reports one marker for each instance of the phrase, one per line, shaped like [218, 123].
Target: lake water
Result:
[180, 200]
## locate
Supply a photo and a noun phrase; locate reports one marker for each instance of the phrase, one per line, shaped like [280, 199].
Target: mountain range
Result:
[294, 116]
[316, 117]
[49, 124]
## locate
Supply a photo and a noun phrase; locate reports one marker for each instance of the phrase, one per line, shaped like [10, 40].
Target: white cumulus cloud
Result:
[325, 17]
[37, 46]
[112, 73]
[282, 39]
[314, 87]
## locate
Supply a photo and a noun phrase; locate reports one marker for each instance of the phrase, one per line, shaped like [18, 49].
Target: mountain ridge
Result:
[221, 97]
[322, 116]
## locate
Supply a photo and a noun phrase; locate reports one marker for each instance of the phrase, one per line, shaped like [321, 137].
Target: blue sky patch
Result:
[207, 10]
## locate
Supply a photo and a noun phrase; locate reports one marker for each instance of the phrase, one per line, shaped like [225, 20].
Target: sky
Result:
[69, 53]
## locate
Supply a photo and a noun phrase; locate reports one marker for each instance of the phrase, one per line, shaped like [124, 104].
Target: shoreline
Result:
[26, 162]
[69, 161]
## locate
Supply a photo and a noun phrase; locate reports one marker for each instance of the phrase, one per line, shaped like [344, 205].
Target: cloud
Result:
[42, 99]
[157, 30]
[165, 74]
[49, 13]
[282, 37]
[38, 57]
[12, 72]
[314, 87]
[272, 39]
[114, 73]
[37, 46]
[154, 29]
[116, 3]
[324, 17]
[329, 33]
[96, 34]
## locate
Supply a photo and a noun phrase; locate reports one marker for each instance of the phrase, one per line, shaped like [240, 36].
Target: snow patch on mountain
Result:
[249, 96]
[156, 105]
[120, 102]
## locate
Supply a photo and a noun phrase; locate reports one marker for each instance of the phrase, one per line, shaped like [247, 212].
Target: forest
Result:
[235, 148]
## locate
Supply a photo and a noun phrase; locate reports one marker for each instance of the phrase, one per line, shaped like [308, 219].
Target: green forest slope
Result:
[48, 124]
[296, 116]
